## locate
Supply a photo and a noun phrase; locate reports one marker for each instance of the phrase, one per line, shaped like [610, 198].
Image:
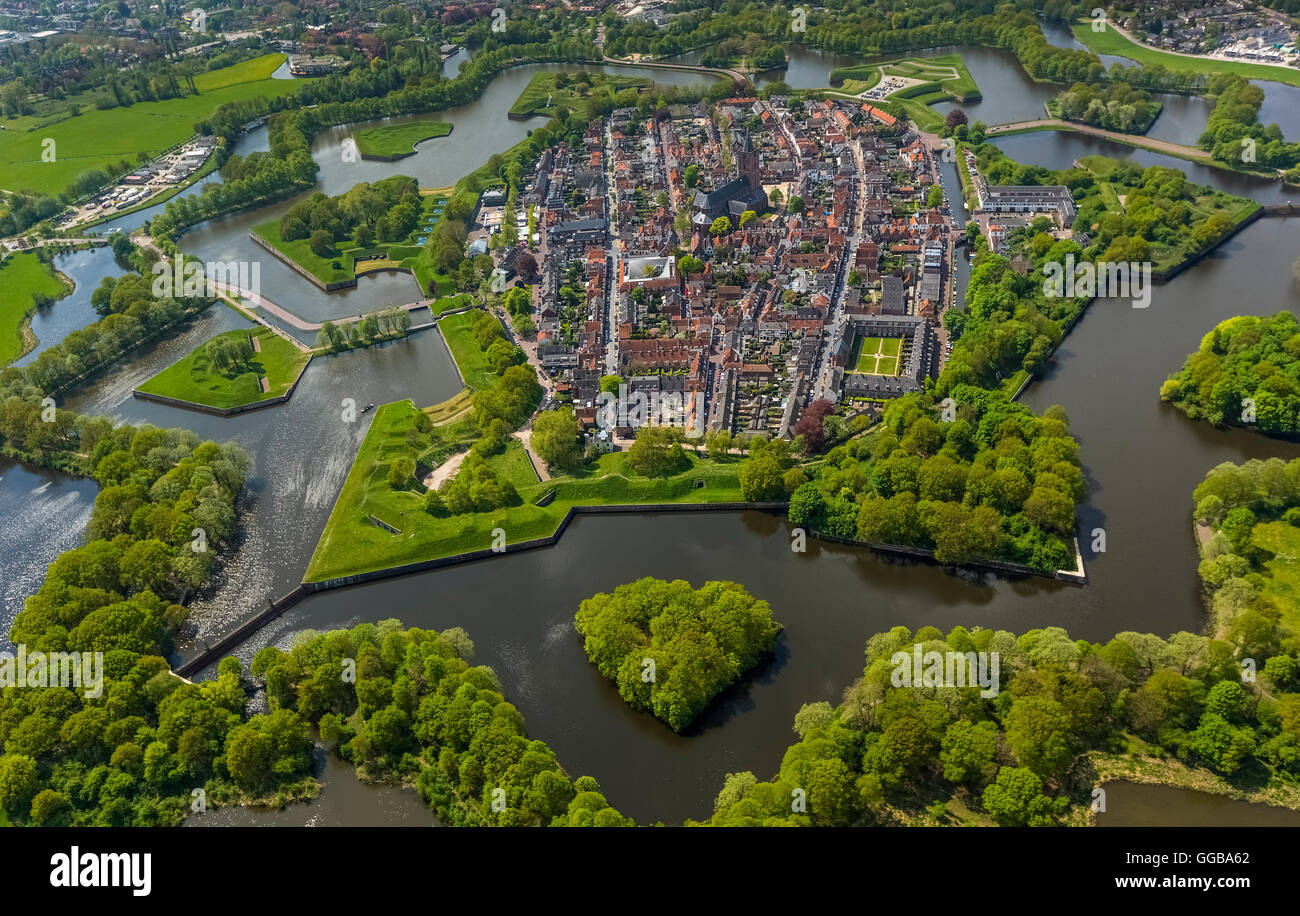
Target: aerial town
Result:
[808, 245]
[648, 413]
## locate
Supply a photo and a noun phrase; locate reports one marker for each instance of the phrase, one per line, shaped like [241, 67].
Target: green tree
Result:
[1016, 799]
[555, 438]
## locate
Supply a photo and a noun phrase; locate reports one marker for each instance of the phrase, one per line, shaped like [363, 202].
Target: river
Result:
[1133, 805]
[51, 323]
[1058, 149]
[1142, 461]
[344, 801]
[1281, 100]
[44, 514]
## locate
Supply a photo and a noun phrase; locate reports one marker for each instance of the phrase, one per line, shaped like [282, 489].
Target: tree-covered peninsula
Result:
[1245, 373]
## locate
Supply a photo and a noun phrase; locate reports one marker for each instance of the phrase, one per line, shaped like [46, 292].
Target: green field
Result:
[1105, 192]
[351, 543]
[1112, 42]
[406, 254]
[945, 79]
[299, 251]
[22, 278]
[96, 138]
[193, 378]
[513, 465]
[878, 355]
[394, 141]
[1281, 580]
[470, 358]
[541, 96]
[944, 75]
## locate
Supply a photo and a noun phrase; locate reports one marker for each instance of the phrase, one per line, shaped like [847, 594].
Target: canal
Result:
[1142, 461]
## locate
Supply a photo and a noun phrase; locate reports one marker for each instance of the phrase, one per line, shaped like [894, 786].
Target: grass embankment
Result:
[349, 260]
[193, 378]
[943, 79]
[352, 544]
[450, 409]
[396, 141]
[1281, 579]
[23, 277]
[1138, 767]
[457, 330]
[542, 96]
[1112, 42]
[95, 138]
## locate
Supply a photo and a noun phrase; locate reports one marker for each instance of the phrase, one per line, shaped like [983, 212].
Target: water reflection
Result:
[44, 514]
[86, 269]
[1057, 149]
[1132, 805]
[344, 801]
[301, 450]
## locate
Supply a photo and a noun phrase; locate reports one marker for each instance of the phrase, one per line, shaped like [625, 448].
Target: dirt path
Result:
[525, 437]
[1159, 146]
[444, 472]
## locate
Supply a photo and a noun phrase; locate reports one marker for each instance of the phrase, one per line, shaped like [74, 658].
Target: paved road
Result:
[251, 301]
[13, 244]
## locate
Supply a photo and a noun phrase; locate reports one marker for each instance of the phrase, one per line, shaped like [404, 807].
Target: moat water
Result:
[1142, 461]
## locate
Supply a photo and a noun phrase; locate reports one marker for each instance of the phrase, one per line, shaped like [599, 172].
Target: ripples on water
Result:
[1143, 461]
[44, 514]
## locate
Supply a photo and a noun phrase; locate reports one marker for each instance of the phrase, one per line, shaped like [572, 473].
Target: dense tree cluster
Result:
[131, 751]
[657, 451]
[385, 324]
[995, 482]
[1233, 500]
[135, 754]
[385, 211]
[1114, 106]
[25, 210]
[407, 705]
[1233, 132]
[555, 438]
[511, 401]
[131, 314]
[1246, 372]
[670, 648]
[769, 474]
[475, 488]
[1017, 756]
[166, 504]
[1157, 211]
[1009, 324]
